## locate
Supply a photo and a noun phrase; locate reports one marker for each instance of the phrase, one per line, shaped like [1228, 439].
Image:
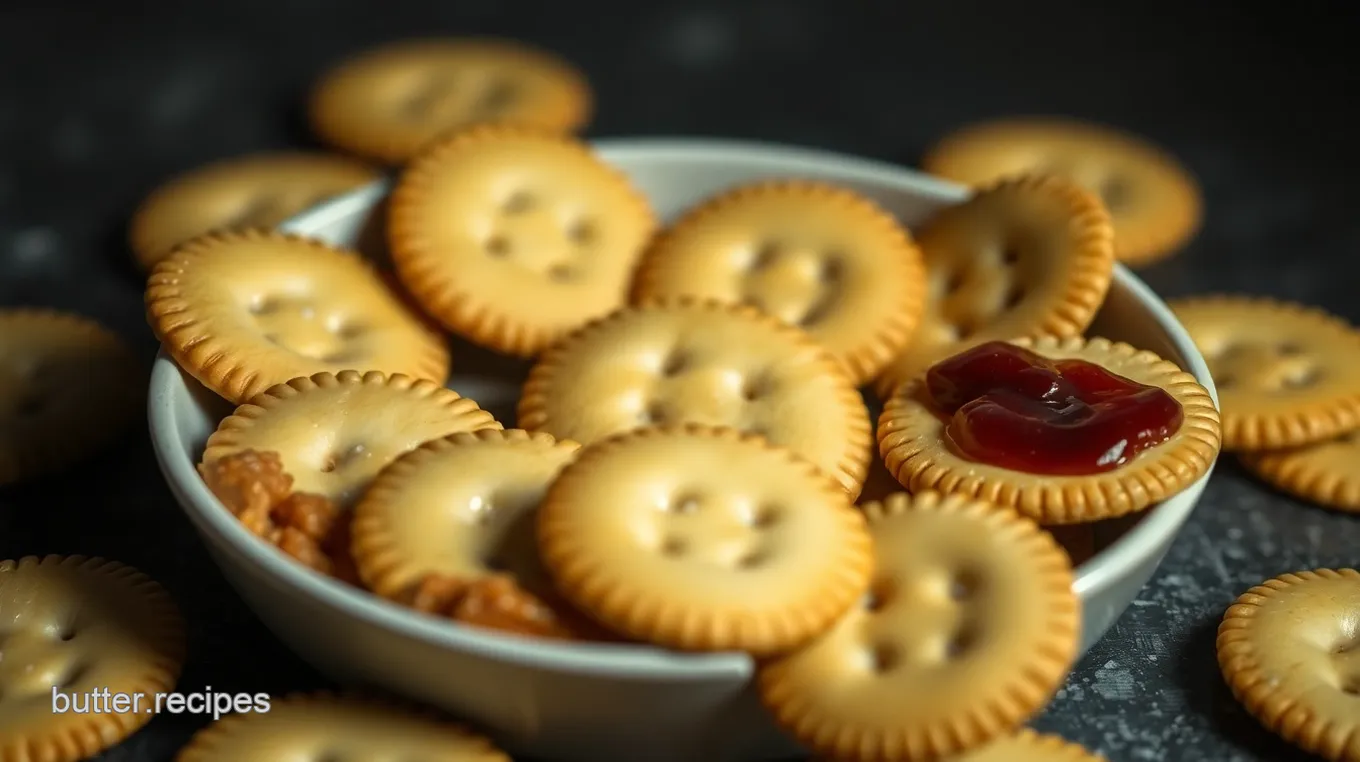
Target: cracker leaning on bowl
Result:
[699, 501]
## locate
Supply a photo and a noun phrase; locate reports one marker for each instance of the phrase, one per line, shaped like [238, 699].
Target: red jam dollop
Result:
[1019, 410]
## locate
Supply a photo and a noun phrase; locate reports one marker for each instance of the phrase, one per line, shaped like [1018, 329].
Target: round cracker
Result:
[912, 442]
[334, 433]
[464, 508]
[252, 191]
[389, 102]
[1326, 473]
[68, 387]
[1154, 202]
[703, 539]
[1290, 652]
[817, 256]
[325, 726]
[79, 625]
[513, 237]
[1029, 746]
[1287, 375]
[969, 628]
[1028, 256]
[687, 361]
[244, 311]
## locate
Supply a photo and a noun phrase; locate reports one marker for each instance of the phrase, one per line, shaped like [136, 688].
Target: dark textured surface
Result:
[96, 107]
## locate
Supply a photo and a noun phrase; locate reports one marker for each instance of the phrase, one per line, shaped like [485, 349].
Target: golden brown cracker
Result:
[252, 191]
[334, 433]
[1326, 473]
[462, 509]
[1026, 256]
[911, 440]
[1287, 375]
[703, 539]
[512, 237]
[969, 627]
[1154, 201]
[818, 256]
[68, 387]
[100, 636]
[322, 726]
[244, 311]
[391, 101]
[1290, 652]
[704, 362]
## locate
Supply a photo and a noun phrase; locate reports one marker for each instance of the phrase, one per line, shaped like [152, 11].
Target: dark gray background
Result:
[99, 101]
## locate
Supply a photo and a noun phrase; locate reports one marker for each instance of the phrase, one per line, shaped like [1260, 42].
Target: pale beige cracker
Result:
[1154, 201]
[81, 626]
[1290, 651]
[818, 256]
[686, 361]
[703, 539]
[1027, 256]
[389, 102]
[1287, 375]
[244, 311]
[513, 237]
[334, 433]
[969, 627]
[1326, 473]
[252, 191]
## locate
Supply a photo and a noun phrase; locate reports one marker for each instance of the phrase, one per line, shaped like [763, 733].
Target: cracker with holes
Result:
[703, 539]
[1154, 201]
[814, 255]
[513, 237]
[1027, 256]
[334, 433]
[1063, 430]
[98, 635]
[1290, 651]
[687, 361]
[449, 528]
[969, 627]
[1287, 375]
[330, 727]
[68, 387]
[244, 311]
[390, 102]
[252, 191]
[1326, 473]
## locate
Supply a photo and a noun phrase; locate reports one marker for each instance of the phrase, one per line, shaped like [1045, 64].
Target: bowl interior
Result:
[674, 174]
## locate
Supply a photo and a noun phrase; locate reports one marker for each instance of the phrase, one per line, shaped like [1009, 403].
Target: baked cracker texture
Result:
[684, 360]
[703, 539]
[969, 627]
[1154, 201]
[80, 624]
[512, 237]
[243, 311]
[815, 255]
[1287, 374]
[1025, 256]
[910, 437]
[327, 444]
[1289, 651]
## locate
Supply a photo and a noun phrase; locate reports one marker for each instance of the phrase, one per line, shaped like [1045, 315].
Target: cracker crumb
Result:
[495, 602]
[308, 527]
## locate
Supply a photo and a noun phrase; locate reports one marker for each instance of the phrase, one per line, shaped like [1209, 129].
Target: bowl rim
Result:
[626, 661]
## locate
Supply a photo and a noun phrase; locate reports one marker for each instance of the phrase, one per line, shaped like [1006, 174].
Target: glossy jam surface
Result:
[1019, 410]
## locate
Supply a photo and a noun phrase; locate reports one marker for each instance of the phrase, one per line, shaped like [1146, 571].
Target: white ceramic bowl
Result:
[586, 702]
